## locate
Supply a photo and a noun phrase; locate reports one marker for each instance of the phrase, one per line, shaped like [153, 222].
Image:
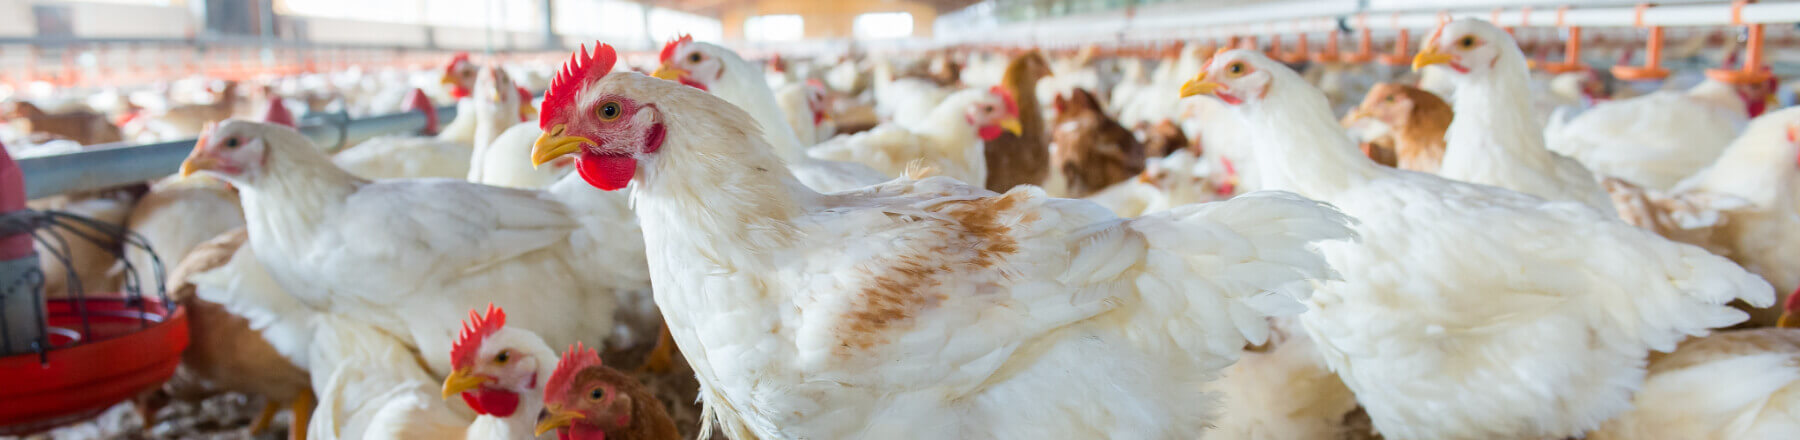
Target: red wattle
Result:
[497, 403]
[989, 132]
[608, 172]
[686, 81]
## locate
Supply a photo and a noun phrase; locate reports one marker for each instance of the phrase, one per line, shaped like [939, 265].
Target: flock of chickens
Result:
[1003, 247]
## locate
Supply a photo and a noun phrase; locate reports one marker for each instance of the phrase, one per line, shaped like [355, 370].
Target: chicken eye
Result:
[1467, 42]
[608, 111]
[1235, 68]
[503, 356]
[987, 109]
[231, 142]
[694, 57]
[1390, 98]
[596, 394]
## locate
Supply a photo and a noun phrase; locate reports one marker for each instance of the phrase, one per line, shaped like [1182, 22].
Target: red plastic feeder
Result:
[68, 359]
[127, 352]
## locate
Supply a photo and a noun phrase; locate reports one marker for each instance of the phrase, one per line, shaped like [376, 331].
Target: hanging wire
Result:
[50, 231]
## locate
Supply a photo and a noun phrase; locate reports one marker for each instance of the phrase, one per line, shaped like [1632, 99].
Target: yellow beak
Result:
[558, 418]
[461, 380]
[447, 80]
[196, 163]
[1356, 115]
[1428, 56]
[528, 112]
[669, 72]
[552, 144]
[1199, 86]
[1011, 125]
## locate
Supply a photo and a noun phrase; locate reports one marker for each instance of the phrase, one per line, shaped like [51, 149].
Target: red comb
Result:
[668, 50]
[816, 83]
[582, 69]
[460, 57]
[474, 330]
[575, 359]
[206, 131]
[1012, 105]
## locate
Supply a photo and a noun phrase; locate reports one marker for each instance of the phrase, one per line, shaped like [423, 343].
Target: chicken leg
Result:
[262, 419]
[302, 406]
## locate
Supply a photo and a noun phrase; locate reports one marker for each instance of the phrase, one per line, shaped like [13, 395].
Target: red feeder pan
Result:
[128, 352]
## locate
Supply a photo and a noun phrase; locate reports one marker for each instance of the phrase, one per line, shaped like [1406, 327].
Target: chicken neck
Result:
[1494, 125]
[298, 190]
[1300, 147]
[1720, 95]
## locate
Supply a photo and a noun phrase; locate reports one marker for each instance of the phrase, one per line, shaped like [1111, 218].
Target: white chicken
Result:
[808, 110]
[502, 154]
[1658, 139]
[721, 72]
[500, 373]
[177, 214]
[859, 314]
[1283, 391]
[443, 155]
[401, 254]
[907, 101]
[1166, 182]
[1733, 385]
[1759, 179]
[1453, 317]
[1495, 138]
[949, 142]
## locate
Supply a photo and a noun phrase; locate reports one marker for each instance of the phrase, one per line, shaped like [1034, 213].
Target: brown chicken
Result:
[1418, 118]
[224, 354]
[191, 117]
[1163, 139]
[585, 400]
[85, 127]
[1093, 151]
[1022, 159]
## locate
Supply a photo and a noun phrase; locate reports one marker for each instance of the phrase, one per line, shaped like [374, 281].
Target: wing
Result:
[940, 282]
[436, 229]
[1467, 259]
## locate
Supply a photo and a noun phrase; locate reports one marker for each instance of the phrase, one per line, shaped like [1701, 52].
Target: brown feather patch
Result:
[910, 283]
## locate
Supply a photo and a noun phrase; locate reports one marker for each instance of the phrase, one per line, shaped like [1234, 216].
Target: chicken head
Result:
[818, 99]
[233, 150]
[608, 130]
[490, 367]
[1386, 102]
[495, 89]
[586, 400]
[997, 113]
[459, 75]
[1470, 47]
[689, 64]
[1234, 76]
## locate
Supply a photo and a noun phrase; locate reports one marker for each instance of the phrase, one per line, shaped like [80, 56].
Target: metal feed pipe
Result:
[113, 165]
